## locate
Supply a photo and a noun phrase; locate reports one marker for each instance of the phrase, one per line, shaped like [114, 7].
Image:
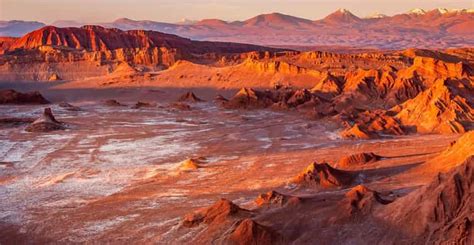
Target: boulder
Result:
[10, 96]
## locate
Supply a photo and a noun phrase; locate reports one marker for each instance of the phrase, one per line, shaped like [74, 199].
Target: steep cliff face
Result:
[72, 53]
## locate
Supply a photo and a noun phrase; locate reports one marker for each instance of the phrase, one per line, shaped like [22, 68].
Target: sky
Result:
[93, 11]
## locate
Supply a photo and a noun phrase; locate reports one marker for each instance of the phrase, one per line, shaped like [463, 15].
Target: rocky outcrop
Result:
[325, 176]
[275, 199]
[358, 159]
[446, 107]
[217, 214]
[360, 200]
[355, 132]
[248, 231]
[454, 155]
[141, 104]
[113, 102]
[220, 100]
[328, 87]
[248, 98]
[69, 107]
[189, 97]
[10, 96]
[190, 164]
[45, 123]
[440, 212]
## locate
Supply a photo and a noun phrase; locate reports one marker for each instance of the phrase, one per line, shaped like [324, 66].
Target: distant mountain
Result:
[341, 16]
[17, 28]
[277, 20]
[437, 28]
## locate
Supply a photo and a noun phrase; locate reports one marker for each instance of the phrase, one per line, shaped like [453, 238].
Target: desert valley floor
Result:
[117, 173]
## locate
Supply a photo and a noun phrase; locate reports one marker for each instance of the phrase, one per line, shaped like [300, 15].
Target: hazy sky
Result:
[176, 10]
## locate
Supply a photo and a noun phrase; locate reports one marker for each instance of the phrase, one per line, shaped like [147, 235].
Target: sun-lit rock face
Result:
[249, 98]
[325, 176]
[446, 107]
[358, 159]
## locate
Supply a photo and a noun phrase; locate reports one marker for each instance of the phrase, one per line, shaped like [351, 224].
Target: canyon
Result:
[118, 136]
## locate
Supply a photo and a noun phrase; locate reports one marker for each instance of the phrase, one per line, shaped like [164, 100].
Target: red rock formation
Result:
[325, 176]
[445, 107]
[454, 155]
[275, 199]
[141, 104]
[220, 100]
[360, 200]
[10, 96]
[440, 212]
[217, 214]
[355, 132]
[248, 98]
[358, 159]
[299, 97]
[189, 97]
[328, 87]
[45, 123]
[250, 232]
[190, 164]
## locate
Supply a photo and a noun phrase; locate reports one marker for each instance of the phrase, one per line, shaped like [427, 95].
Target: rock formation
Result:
[440, 212]
[113, 102]
[190, 164]
[10, 96]
[189, 97]
[275, 199]
[360, 200]
[141, 104]
[69, 107]
[45, 123]
[248, 231]
[248, 98]
[445, 107]
[323, 175]
[358, 159]
[216, 215]
[454, 155]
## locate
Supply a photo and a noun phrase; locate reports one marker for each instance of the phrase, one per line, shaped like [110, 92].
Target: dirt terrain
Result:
[115, 174]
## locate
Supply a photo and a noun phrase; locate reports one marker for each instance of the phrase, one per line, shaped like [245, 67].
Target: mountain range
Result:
[438, 28]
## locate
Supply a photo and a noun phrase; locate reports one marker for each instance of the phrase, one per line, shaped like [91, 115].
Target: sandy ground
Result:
[113, 175]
